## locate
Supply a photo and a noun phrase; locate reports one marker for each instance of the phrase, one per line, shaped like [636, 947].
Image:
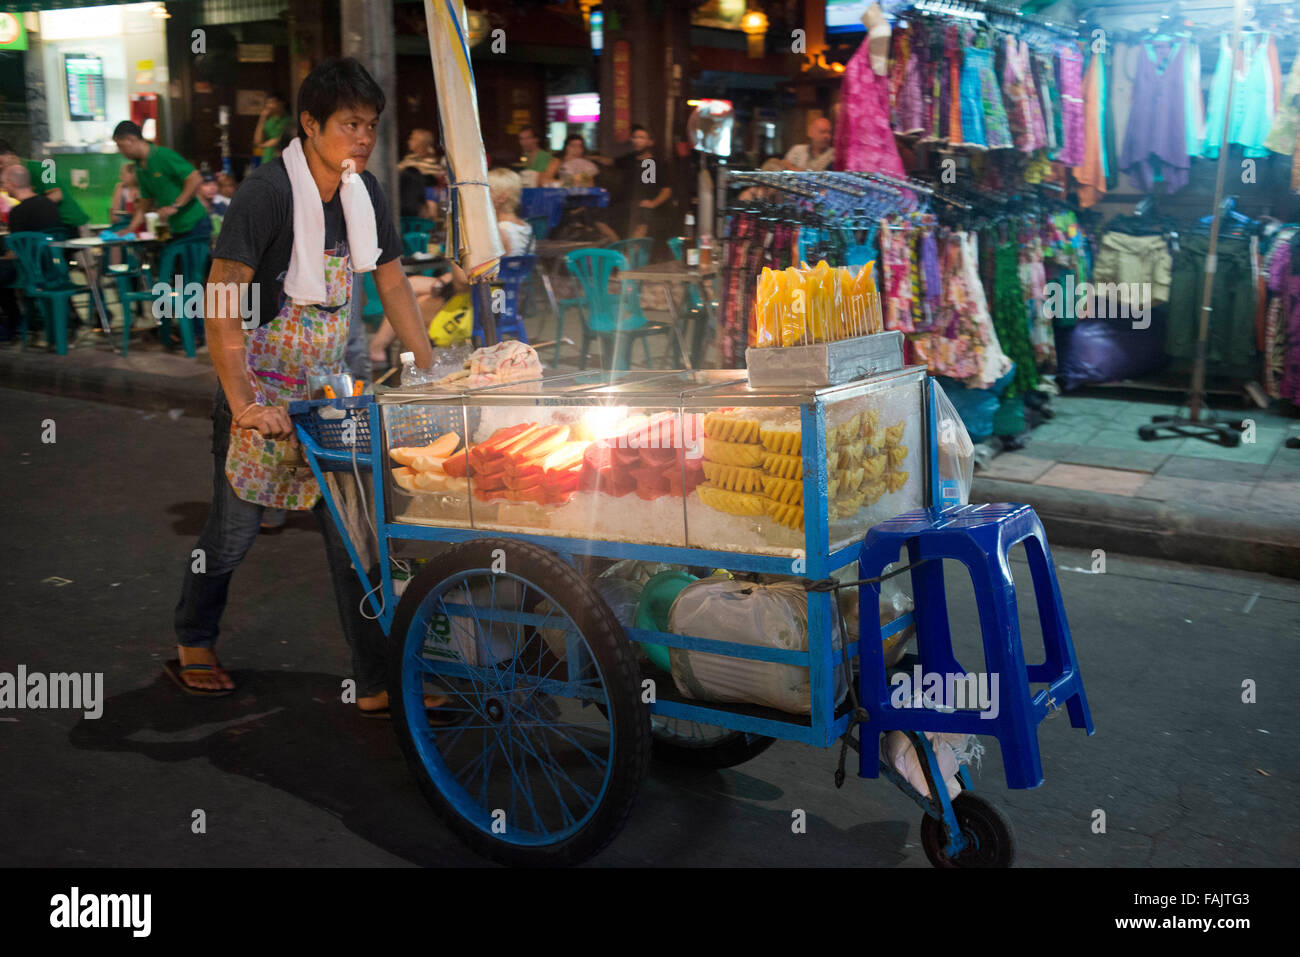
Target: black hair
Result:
[335, 85]
[5, 147]
[638, 126]
[575, 136]
[277, 95]
[126, 128]
[529, 129]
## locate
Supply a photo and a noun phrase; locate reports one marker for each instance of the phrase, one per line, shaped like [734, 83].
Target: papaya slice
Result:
[405, 478]
[427, 462]
[430, 481]
[444, 445]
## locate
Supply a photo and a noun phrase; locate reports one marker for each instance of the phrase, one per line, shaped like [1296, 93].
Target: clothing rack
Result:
[995, 14]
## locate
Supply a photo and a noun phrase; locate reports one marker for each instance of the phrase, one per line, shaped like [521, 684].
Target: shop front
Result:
[86, 68]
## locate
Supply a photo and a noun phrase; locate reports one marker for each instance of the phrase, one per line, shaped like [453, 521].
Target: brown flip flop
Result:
[176, 671]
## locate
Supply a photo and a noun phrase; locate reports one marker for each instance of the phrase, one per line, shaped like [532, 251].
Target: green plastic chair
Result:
[43, 278]
[187, 258]
[541, 225]
[373, 313]
[603, 313]
[416, 232]
[637, 254]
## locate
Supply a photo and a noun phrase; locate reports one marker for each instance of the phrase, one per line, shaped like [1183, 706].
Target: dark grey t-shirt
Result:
[258, 230]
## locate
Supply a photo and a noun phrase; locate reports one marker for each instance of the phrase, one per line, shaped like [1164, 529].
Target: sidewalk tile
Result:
[1108, 458]
[1056, 451]
[1119, 438]
[1277, 496]
[1016, 467]
[1197, 448]
[1086, 478]
[1211, 470]
[1284, 466]
[1221, 496]
[1065, 433]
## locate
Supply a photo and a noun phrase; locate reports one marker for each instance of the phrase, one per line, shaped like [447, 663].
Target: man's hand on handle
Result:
[270, 420]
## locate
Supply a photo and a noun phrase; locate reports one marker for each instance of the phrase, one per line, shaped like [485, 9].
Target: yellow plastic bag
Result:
[820, 285]
[793, 309]
[767, 326]
[454, 322]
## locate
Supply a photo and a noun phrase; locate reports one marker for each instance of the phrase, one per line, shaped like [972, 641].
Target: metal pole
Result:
[1197, 397]
[368, 36]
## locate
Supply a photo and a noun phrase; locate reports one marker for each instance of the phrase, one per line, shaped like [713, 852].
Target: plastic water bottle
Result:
[412, 375]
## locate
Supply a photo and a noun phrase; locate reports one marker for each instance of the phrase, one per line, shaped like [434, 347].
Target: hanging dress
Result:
[1251, 116]
[1072, 105]
[972, 97]
[863, 137]
[1155, 142]
[1091, 172]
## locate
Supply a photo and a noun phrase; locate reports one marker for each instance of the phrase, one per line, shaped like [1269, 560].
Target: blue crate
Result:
[420, 424]
[416, 424]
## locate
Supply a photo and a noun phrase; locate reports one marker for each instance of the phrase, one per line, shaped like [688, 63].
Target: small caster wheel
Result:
[988, 835]
[1146, 432]
[1230, 439]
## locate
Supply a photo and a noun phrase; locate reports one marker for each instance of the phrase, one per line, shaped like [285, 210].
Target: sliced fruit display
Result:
[650, 483]
[618, 482]
[444, 445]
[430, 481]
[624, 457]
[428, 463]
[660, 457]
[405, 478]
[457, 466]
[568, 456]
[540, 443]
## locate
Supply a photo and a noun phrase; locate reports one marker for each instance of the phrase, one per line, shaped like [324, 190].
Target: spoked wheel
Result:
[988, 834]
[693, 745]
[554, 741]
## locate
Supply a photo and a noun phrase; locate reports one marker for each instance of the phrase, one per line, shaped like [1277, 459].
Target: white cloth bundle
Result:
[304, 283]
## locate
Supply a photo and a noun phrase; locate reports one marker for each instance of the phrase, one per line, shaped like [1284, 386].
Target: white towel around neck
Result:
[304, 283]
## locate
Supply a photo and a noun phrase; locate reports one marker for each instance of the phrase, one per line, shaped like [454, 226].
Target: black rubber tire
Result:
[1230, 439]
[617, 660]
[726, 751]
[992, 842]
[1146, 432]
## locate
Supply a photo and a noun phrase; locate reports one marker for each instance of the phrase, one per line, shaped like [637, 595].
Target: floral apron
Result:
[302, 340]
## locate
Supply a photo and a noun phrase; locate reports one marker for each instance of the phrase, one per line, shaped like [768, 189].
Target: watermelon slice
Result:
[618, 482]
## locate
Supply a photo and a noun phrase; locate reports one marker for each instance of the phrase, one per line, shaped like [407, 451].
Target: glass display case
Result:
[685, 459]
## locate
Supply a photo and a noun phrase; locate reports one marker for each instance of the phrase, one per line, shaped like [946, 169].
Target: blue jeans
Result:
[231, 529]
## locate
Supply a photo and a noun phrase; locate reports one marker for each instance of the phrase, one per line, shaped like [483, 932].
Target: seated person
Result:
[125, 193]
[573, 168]
[34, 212]
[505, 187]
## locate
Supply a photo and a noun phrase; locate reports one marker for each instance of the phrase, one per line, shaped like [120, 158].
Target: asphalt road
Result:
[97, 530]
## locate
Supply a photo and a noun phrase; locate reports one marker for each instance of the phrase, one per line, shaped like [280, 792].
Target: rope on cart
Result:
[859, 713]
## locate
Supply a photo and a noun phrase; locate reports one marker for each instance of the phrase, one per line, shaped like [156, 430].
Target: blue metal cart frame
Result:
[355, 443]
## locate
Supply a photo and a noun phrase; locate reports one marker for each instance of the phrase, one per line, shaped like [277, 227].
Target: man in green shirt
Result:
[270, 127]
[49, 181]
[167, 184]
[535, 158]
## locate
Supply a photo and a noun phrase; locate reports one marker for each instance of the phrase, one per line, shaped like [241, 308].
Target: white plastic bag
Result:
[772, 615]
[894, 602]
[956, 453]
[950, 752]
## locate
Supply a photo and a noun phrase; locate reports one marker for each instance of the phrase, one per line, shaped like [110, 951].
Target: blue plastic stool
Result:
[512, 273]
[980, 537]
